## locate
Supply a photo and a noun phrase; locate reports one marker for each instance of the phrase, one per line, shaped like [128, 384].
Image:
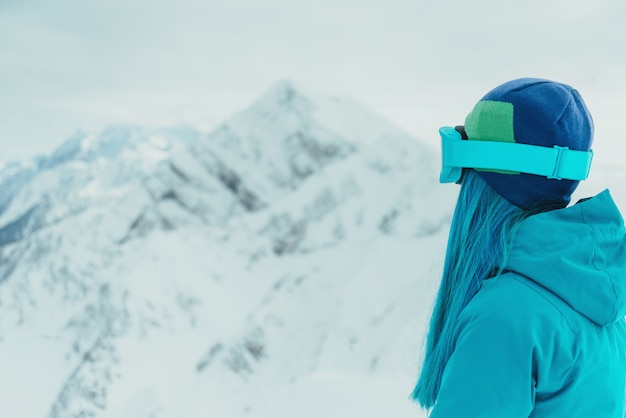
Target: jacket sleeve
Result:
[490, 373]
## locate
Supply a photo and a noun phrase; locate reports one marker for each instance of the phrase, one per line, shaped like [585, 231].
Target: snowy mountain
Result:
[292, 252]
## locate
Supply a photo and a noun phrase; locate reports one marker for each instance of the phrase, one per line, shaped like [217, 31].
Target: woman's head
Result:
[536, 112]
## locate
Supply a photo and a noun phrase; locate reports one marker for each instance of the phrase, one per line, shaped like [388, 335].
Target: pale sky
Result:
[82, 64]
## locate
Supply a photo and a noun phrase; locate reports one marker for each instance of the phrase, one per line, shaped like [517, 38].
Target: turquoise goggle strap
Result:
[554, 163]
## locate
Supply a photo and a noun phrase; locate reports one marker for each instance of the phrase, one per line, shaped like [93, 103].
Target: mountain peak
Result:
[285, 86]
[291, 100]
[285, 95]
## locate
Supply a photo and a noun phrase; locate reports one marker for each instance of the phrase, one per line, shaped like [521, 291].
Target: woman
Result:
[529, 318]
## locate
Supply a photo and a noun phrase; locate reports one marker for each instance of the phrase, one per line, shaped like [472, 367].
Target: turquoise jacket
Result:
[547, 338]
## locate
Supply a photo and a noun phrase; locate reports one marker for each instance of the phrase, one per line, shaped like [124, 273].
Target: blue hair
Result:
[480, 235]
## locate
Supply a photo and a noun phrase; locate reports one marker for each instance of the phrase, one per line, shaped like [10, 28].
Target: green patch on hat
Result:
[491, 121]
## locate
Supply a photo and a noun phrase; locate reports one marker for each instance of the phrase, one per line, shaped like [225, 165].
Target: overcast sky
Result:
[82, 64]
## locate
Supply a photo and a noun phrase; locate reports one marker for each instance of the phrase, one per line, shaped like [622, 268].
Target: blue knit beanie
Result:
[537, 112]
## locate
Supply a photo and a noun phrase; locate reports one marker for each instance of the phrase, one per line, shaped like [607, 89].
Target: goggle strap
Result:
[555, 163]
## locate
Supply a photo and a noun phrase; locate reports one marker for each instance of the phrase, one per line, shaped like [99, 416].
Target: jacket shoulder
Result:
[520, 301]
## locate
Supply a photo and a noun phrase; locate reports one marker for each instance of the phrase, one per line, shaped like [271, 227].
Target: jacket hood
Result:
[579, 254]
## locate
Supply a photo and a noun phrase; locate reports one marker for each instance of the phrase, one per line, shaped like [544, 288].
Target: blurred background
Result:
[229, 209]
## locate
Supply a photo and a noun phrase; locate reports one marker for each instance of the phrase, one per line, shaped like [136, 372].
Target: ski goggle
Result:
[555, 163]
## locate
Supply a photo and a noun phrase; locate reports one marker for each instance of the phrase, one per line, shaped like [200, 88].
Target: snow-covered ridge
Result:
[85, 171]
[167, 272]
